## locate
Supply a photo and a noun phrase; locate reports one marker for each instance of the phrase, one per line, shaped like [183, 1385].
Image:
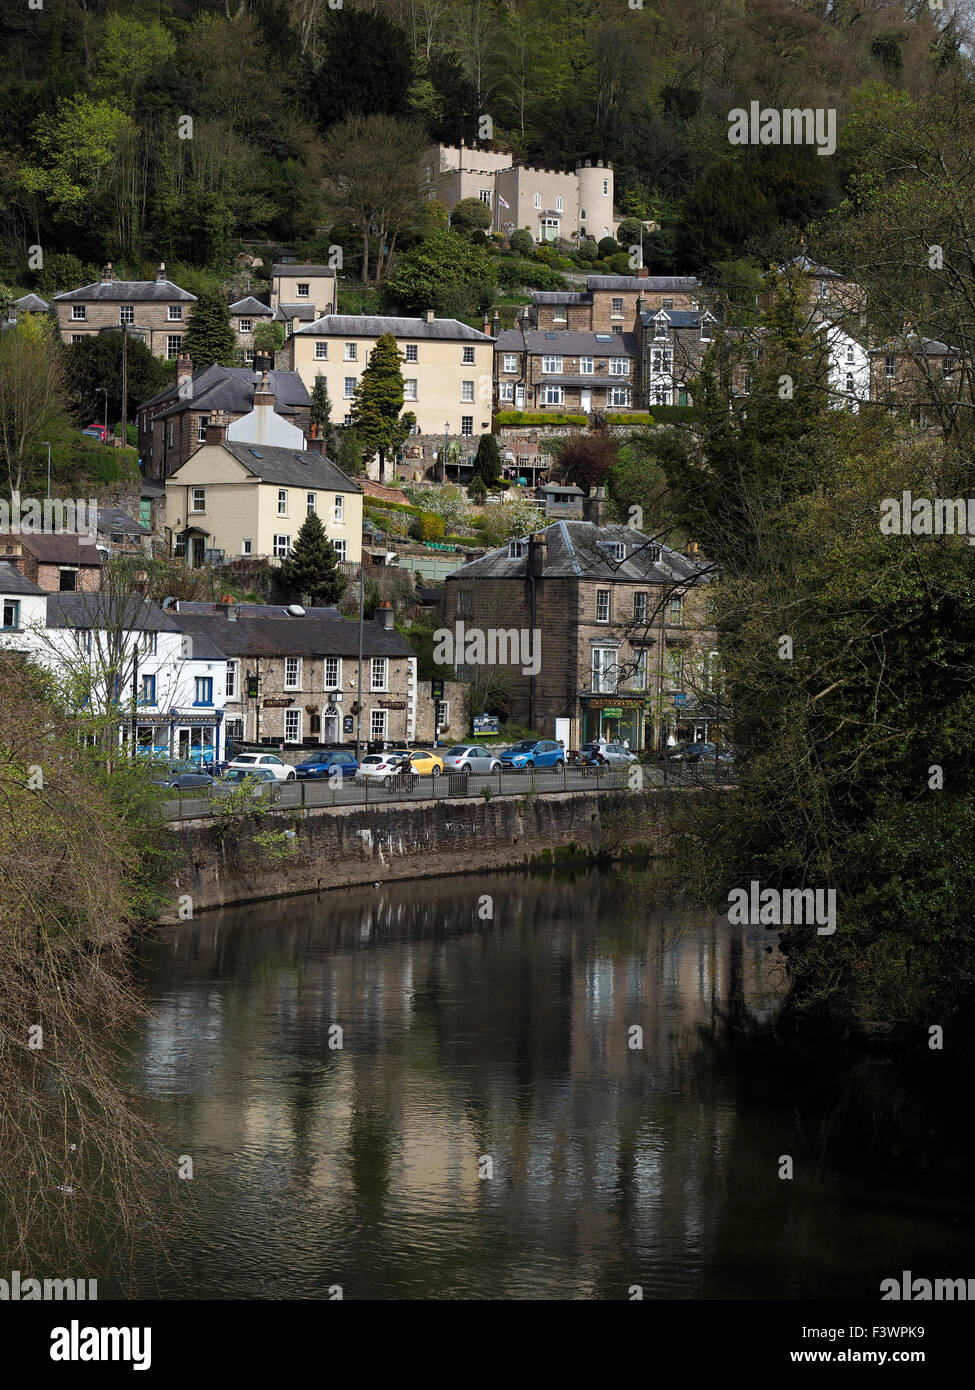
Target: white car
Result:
[468, 757]
[250, 762]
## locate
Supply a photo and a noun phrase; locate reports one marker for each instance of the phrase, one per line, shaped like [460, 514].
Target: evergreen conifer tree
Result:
[209, 336]
[310, 571]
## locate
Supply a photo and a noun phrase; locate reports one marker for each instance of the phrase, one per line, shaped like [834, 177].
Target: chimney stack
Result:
[161, 276]
[429, 316]
[594, 506]
[184, 373]
[384, 615]
[643, 272]
[315, 445]
[108, 275]
[264, 393]
[216, 431]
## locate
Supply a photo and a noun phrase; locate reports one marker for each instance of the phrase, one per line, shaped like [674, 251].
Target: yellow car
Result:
[425, 764]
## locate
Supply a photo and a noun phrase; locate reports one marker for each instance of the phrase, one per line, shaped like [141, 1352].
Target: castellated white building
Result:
[549, 203]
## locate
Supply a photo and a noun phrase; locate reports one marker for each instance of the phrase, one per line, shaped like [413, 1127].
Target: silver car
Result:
[468, 757]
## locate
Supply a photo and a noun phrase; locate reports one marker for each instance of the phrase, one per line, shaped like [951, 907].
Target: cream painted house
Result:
[248, 499]
[447, 367]
[298, 291]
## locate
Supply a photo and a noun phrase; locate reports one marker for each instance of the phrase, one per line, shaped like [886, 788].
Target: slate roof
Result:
[284, 313]
[372, 325]
[657, 284]
[551, 343]
[13, 582]
[291, 467]
[60, 548]
[561, 297]
[822, 272]
[266, 630]
[92, 610]
[283, 268]
[114, 519]
[573, 550]
[679, 318]
[930, 347]
[31, 304]
[251, 306]
[232, 389]
[161, 290]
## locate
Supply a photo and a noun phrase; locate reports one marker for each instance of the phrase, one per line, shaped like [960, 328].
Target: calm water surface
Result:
[501, 1046]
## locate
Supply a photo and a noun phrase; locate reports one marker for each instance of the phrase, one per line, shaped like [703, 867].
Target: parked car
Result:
[383, 767]
[261, 779]
[424, 763]
[325, 765]
[598, 755]
[181, 776]
[530, 753]
[693, 753]
[98, 432]
[250, 762]
[468, 757]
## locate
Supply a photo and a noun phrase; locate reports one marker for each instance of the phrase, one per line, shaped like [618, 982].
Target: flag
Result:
[502, 202]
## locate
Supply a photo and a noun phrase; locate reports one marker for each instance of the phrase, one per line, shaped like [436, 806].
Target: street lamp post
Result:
[358, 713]
[104, 391]
[446, 445]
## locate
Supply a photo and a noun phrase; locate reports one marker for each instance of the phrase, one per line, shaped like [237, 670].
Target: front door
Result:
[519, 397]
[198, 549]
[585, 401]
[330, 726]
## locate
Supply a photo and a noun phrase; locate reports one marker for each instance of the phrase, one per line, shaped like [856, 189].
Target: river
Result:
[491, 1126]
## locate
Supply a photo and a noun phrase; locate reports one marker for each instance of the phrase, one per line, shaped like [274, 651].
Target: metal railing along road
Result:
[372, 791]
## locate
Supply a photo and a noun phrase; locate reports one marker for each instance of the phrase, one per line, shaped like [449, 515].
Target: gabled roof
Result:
[105, 610]
[575, 549]
[251, 306]
[284, 313]
[285, 467]
[231, 389]
[679, 318]
[561, 297]
[374, 325]
[549, 342]
[60, 548]
[114, 519]
[13, 582]
[911, 342]
[269, 630]
[656, 284]
[31, 304]
[282, 268]
[808, 267]
[160, 290]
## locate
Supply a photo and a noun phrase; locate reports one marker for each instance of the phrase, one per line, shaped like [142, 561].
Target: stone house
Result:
[673, 343]
[292, 679]
[57, 562]
[245, 315]
[574, 372]
[622, 648]
[172, 425]
[302, 292]
[916, 375]
[612, 303]
[153, 311]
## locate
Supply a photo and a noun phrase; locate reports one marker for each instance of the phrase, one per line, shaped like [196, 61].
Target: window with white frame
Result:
[442, 714]
[248, 354]
[619, 395]
[126, 313]
[352, 352]
[349, 388]
[558, 203]
[338, 509]
[639, 677]
[509, 362]
[619, 366]
[506, 391]
[292, 726]
[467, 425]
[602, 605]
[606, 186]
[705, 330]
[537, 200]
[303, 289]
[378, 673]
[333, 673]
[467, 391]
[587, 365]
[411, 352]
[199, 500]
[890, 365]
[282, 547]
[516, 549]
[341, 550]
[552, 364]
[310, 501]
[641, 606]
[468, 355]
[849, 381]
[230, 680]
[175, 313]
[485, 195]
[559, 314]
[661, 327]
[849, 353]
[245, 326]
[675, 610]
[201, 429]
[321, 352]
[553, 395]
[292, 673]
[675, 669]
[662, 360]
[77, 337]
[409, 388]
[79, 311]
[605, 671]
[377, 724]
[616, 307]
[173, 343]
[282, 501]
[247, 547]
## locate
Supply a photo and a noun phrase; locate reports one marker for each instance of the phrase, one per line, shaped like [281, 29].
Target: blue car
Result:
[538, 752]
[327, 764]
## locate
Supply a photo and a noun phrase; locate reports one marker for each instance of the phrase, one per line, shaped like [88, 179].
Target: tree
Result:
[209, 335]
[521, 241]
[321, 413]
[351, 454]
[377, 82]
[378, 401]
[487, 460]
[588, 458]
[477, 490]
[500, 522]
[607, 246]
[268, 337]
[310, 571]
[471, 214]
[96, 362]
[32, 398]
[444, 273]
[369, 181]
[61, 271]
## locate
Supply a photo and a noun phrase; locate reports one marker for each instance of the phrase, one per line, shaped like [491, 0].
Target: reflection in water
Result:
[473, 1046]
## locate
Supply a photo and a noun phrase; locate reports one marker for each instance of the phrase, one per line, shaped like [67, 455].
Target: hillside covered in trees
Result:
[174, 129]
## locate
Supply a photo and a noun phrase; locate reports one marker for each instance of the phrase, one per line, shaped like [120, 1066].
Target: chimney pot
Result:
[161, 272]
[429, 316]
[384, 615]
[108, 274]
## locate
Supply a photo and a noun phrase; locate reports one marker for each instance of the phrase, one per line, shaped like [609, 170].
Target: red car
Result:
[98, 432]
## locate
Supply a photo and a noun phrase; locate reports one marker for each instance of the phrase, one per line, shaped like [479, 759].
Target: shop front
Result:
[617, 719]
[195, 737]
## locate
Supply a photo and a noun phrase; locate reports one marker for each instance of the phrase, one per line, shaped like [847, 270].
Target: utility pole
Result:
[358, 716]
[135, 695]
[104, 391]
[125, 392]
[446, 445]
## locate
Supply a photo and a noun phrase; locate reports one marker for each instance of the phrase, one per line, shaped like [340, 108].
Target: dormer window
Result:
[705, 330]
[660, 327]
[517, 549]
[616, 550]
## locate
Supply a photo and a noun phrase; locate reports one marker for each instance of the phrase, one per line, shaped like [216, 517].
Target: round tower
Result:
[595, 198]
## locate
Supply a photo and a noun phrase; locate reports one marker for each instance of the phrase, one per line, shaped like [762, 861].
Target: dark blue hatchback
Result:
[327, 764]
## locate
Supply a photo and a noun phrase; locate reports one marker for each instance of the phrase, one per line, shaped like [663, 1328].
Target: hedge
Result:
[663, 414]
[524, 417]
